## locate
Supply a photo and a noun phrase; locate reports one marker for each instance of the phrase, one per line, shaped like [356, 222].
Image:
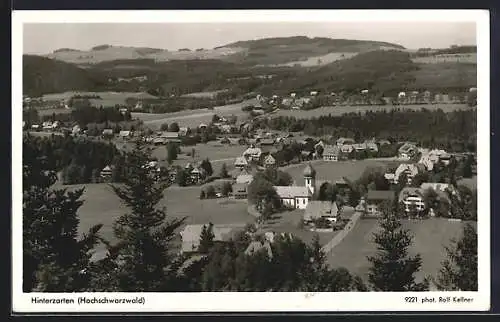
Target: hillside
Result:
[42, 75]
[269, 51]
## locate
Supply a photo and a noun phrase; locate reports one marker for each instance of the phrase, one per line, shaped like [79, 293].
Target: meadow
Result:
[332, 171]
[103, 206]
[430, 238]
[339, 110]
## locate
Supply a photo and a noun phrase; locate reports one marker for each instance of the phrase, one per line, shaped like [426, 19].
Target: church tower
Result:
[310, 178]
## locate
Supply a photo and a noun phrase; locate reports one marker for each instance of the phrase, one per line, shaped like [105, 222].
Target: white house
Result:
[409, 169]
[321, 209]
[331, 153]
[252, 153]
[412, 198]
[240, 163]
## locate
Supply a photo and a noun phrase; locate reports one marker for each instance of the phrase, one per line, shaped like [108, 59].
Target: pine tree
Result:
[206, 238]
[171, 152]
[392, 268]
[223, 171]
[143, 257]
[459, 271]
[55, 259]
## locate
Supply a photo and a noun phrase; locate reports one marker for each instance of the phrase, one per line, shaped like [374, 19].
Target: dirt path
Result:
[327, 248]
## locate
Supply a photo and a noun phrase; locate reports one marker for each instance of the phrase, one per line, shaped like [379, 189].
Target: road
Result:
[328, 247]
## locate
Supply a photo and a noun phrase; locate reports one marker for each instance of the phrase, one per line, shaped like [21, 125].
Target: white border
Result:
[247, 302]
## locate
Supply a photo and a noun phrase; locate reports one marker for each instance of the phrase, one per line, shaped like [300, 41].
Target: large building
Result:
[299, 196]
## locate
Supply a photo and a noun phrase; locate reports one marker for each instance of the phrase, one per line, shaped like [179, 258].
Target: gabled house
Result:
[412, 198]
[321, 209]
[331, 153]
[168, 137]
[375, 198]
[346, 148]
[106, 173]
[240, 191]
[244, 178]
[269, 161]
[252, 153]
[241, 163]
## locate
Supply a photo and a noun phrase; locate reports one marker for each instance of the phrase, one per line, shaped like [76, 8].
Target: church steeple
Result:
[310, 177]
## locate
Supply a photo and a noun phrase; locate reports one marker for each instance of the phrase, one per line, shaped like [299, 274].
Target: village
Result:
[301, 212]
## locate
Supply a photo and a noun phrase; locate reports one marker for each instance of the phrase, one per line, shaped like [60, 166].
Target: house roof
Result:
[331, 150]
[290, 192]
[252, 151]
[342, 141]
[256, 246]
[309, 171]
[380, 195]
[107, 131]
[410, 191]
[124, 133]
[191, 234]
[316, 209]
[168, 135]
[107, 168]
[266, 141]
[270, 159]
[407, 147]
[240, 161]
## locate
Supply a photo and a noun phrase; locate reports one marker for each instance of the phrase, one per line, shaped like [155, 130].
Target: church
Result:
[299, 196]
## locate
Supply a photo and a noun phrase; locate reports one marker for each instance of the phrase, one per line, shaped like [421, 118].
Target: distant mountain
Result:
[268, 51]
[43, 75]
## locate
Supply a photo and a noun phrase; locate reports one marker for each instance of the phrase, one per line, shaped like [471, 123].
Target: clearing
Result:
[340, 110]
[430, 238]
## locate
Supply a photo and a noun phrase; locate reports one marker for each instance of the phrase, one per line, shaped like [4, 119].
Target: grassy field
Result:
[469, 182]
[339, 110]
[103, 206]
[50, 111]
[430, 237]
[193, 118]
[332, 171]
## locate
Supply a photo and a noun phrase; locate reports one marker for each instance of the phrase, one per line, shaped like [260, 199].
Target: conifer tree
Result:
[143, 258]
[459, 271]
[206, 238]
[55, 258]
[393, 269]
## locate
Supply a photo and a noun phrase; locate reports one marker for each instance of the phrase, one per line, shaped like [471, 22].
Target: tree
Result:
[262, 194]
[226, 189]
[392, 268]
[459, 271]
[142, 257]
[174, 127]
[172, 150]
[54, 258]
[210, 192]
[327, 192]
[207, 166]
[206, 238]
[182, 177]
[164, 127]
[223, 171]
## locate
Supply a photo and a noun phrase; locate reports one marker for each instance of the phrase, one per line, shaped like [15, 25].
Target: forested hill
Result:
[43, 75]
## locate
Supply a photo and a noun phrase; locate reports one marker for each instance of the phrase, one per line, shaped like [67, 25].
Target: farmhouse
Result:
[106, 173]
[331, 153]
[321, 209]
[252, 153]
[412, 198]
[167, 137]
[375, 198]
[241, 163]
[191, 235]
[240, 191]
[346, 148]
[269, 161]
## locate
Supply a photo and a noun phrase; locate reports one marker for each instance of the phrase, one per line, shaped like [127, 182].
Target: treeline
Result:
[78, 160]
[83, 114]
[454, 131]
[145, 258]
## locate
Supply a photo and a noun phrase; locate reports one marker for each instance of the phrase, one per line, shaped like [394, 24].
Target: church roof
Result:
[309, 171]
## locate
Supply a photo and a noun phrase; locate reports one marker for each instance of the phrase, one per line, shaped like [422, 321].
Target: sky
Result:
[43, 38]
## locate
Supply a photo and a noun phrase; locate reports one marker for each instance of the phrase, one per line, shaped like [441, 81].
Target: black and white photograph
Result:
[251, 161]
